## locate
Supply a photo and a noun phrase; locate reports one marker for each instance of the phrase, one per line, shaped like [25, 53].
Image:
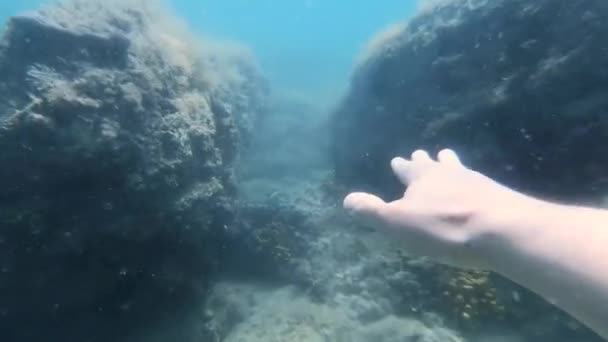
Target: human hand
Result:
[448, 213]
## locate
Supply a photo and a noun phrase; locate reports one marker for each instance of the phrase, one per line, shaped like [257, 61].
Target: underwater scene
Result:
[303, 170]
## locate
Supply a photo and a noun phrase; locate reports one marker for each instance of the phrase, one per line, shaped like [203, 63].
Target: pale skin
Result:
[462, 218]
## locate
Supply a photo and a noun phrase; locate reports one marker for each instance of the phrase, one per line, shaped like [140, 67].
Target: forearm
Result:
[559, 252]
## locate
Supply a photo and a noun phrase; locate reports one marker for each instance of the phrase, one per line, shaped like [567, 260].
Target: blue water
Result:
[303, 46]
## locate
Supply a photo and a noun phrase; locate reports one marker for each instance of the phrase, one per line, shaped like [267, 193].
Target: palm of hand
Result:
[438, 214]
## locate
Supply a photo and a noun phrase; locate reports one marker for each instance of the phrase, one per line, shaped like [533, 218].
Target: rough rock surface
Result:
[254, 313]
[118, 133]
[361, 287]
[517, 87]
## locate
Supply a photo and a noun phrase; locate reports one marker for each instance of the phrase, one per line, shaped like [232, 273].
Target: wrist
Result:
[507, 225]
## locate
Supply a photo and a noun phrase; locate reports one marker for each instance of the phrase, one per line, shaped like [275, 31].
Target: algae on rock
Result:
[119, 131]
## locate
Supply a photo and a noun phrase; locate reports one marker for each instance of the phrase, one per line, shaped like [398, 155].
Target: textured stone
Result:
[118, 132]
[517, 88]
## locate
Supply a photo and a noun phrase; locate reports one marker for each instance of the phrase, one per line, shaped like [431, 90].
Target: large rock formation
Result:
[516, 87]
[118, 133]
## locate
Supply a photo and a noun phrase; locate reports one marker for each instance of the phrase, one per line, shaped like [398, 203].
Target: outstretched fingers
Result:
[403, 170]
[408, 170]
[421, 156]
[371, 209]
[448, 157]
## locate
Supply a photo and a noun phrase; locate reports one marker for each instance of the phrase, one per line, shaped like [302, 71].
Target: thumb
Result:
[370, 208]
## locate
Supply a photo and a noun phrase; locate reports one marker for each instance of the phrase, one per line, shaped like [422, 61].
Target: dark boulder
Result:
[118, 134]
[518, 88]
